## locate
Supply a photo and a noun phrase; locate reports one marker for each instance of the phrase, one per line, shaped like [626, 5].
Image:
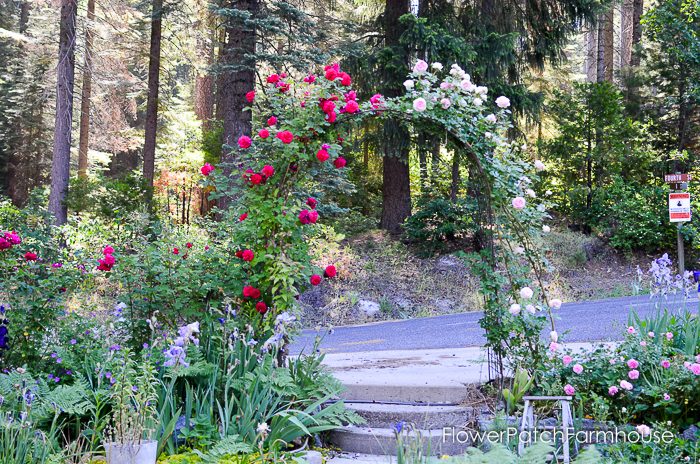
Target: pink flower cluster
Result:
[9, 239]
[107, 262]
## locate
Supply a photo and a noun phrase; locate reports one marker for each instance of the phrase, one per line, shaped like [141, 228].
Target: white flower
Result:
[643, 430]
[554, 336]
[546, 229]
[514, 309]
[539, 165]
[488, 135]
[548, 193]
[21, 370]
[478, 102]
[519, 250]
[526, 293]
[555, 303]
[491, 118]
[425, 83]
[419, 104]
[541, 208]
[466, 85]
[409, 84]
[263, 428]
[530, 308]
[446, 103]
[420, 67]
[503, 102]
[456, 71]
[523, 147]
[436, 66]
[530, 193]
[482, 90]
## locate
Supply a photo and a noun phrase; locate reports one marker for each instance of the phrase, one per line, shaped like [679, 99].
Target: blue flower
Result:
[399, 426]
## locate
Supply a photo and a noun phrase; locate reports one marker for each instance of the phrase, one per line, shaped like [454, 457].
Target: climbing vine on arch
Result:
[292, 166]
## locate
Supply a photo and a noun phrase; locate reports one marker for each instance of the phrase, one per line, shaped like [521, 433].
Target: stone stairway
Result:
[425, 390]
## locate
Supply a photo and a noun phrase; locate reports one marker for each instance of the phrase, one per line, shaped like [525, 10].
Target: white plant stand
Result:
[528, 422]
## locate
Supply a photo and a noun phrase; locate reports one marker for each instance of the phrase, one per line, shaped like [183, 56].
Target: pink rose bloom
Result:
[651, 334]
[625, 385]
[445, 85]
[697, 358]
[503, 102]
[567, 360]
[518, 203]
[420, 66]
[514, 309]
[578, 368]
[695, 368]
[569, 390]
[244, 141]
[419, 104]
[633, 374]
[445, 103]
[643, 343]
[686, 365]
[554, 346]
[667, 397]
[669, 335]
[207, 169]
[491, 118]
[612, 361]
[633, 364]
[643, 430]
[555, 303]
[612, 391]
[630, 330]
[665, 363]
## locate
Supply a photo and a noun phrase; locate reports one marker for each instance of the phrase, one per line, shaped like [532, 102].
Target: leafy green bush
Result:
[437, 222]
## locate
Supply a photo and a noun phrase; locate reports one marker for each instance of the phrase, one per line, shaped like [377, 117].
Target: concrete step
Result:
[360, 458]
[421, 416]
[382, 441]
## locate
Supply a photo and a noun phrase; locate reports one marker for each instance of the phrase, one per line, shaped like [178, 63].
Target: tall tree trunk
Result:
[396, 186]
[24, 9]
[626, 30]
[204, 81]
[237, 78]
[636, 30]
[65, 80]
[591, 61]
[151, 124]
[605, 46]
[84, 143]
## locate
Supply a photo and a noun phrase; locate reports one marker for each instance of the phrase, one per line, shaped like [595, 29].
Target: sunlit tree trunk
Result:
[626, 30]
[591, 61]
[84, 143]
[65, 81]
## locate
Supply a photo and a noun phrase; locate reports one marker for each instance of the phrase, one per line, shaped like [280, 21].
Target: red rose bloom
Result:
[176, 251]
[304, 216]
[331, 117]
[271, 121]
[315, 279]
[331, 74]
[310, 79]
[273, 79]
[376, 100]
[30, 256]
[239, 254]
[340, 162]
[188, 245]
[283, 86]
[261, 307]
[108, 260]
[108, 250]
[346, 80]
[251, 292]
[268, 171]
[244, 141]
[248, 255]
[243, 217]
[330, 272]
[311, 202]
[351, 107]
[5, 244]
[264, 133]
[327, 106]
[313, 216]
[250, 96]
[285, 136]
[256, 179]
[322, 155]
[207, 169]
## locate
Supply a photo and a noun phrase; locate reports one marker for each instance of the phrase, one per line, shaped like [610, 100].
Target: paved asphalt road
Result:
[584, 321]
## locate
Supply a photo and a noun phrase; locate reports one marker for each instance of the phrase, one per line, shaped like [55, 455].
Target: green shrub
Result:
[438, 222]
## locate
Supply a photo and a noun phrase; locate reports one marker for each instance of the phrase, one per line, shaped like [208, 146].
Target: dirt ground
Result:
[380, 278]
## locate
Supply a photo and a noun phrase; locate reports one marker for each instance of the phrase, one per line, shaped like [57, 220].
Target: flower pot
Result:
[132, 453]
